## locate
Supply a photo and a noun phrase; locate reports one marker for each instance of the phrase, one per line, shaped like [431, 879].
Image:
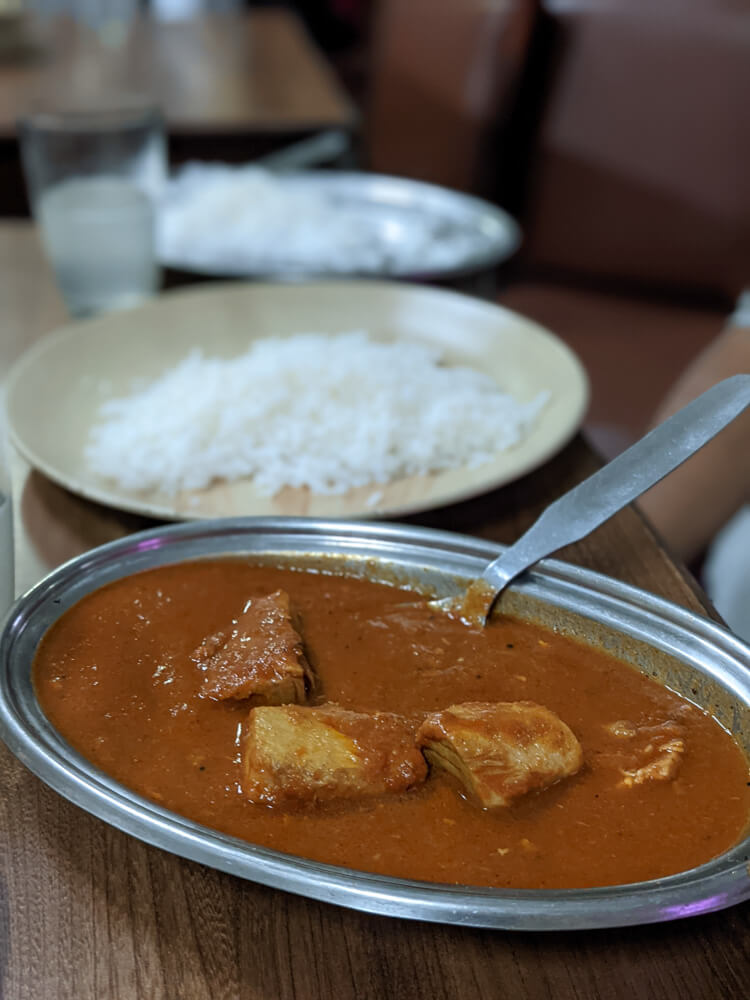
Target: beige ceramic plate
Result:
[56, 389]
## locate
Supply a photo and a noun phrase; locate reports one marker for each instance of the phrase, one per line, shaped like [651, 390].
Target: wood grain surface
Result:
[232, 86]
[88, 913]
[215, 74]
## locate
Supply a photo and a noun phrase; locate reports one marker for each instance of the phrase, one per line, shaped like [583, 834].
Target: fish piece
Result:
[261, 659]
[296, 754]
[664, 765]
[647, 751]
[500, 751]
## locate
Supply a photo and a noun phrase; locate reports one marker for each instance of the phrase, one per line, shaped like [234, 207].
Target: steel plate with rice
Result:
[678, 658]
[222, 221]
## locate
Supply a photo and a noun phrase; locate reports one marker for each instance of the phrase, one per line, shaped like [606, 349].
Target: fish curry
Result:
[347, 721]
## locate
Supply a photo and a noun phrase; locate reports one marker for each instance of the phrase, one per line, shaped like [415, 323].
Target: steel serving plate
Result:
[481, 234]
[690, 654]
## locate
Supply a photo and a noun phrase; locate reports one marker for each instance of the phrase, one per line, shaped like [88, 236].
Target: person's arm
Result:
[690, 505]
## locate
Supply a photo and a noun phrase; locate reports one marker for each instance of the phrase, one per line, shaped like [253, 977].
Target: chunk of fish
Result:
[664, 766]
[261, 659]
[654, 751]
[296, 754]
[500, 751]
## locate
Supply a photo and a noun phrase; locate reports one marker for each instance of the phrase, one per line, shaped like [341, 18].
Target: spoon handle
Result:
[619, 482]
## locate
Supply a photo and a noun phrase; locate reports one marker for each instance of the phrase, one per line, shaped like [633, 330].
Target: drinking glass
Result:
[93, 176]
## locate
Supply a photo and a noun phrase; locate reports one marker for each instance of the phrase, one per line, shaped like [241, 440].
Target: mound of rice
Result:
[326, 412]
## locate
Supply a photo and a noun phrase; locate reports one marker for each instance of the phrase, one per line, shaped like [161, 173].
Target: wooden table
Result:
[88, 913]
[232, 86]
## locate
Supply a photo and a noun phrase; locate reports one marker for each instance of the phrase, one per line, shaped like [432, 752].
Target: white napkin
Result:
[725, 574]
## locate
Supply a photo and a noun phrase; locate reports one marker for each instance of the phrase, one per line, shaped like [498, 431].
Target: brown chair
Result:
[641, 171]
[638, 194]
[443, 75]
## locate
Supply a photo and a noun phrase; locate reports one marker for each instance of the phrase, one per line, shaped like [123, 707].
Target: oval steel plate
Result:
[704, 658]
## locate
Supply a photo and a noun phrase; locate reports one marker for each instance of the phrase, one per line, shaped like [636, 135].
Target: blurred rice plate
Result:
[240, 221]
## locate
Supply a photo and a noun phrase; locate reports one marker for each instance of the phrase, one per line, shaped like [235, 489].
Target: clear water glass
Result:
[94, 176]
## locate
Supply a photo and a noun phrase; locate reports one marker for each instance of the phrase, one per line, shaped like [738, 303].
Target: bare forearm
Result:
[690, 505]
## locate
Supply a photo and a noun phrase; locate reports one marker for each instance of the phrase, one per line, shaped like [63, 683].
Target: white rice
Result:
[326, 412]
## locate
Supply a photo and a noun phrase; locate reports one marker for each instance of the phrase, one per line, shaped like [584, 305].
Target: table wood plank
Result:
[233, 86]
[228, 73]
[89, 913]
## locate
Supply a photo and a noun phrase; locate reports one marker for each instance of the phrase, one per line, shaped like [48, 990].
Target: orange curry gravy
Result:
[114, 676]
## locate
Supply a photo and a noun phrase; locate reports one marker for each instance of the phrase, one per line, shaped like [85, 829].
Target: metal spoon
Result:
[317, 149]
[602, 495]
